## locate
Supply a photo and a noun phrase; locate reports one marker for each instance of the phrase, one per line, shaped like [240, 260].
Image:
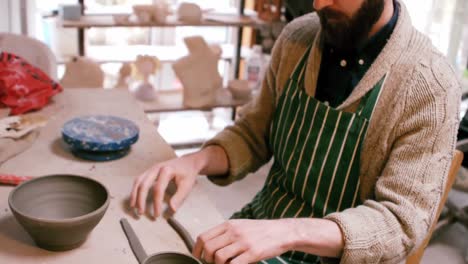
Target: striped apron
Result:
[316, 158]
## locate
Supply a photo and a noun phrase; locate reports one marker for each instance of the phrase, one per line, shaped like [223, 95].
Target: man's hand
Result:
[211, 160]
[183, 171]
[250, 241]
[245, 241]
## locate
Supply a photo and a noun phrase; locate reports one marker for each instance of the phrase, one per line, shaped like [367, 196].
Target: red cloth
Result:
[13, 179]
[24, 87]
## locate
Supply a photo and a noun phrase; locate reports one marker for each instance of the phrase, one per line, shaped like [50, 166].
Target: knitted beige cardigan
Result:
[408, 148]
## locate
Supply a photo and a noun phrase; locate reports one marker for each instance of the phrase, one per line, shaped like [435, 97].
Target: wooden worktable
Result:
[107, 242]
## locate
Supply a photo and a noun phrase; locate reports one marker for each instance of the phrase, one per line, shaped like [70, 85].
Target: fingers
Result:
[133, 195]
[183, 189]
[159, 189]
[158, 178]
[135, 188]
[243, 258]
[205, 237]
[144, 187]
[212, 246]
[229, 252]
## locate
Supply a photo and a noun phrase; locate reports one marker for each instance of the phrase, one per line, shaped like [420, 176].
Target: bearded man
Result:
[359, 113]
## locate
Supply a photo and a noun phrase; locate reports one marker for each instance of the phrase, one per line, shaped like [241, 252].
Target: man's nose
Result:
[320, 4]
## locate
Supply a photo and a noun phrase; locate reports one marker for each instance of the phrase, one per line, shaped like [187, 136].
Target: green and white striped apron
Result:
[316, 158]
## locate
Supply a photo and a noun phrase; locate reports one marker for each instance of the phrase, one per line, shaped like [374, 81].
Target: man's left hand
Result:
[245, 241]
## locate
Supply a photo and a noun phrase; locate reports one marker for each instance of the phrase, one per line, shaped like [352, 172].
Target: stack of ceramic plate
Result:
[100, 138]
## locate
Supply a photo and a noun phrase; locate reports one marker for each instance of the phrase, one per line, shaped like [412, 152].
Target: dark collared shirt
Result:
[341, 71]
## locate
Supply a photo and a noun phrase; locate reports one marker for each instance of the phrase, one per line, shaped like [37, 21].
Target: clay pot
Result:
[170, 258]
[59, 211]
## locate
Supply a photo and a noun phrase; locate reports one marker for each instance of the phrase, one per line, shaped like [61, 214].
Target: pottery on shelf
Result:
[144, 92]
[216, 50]
[154, 13]
[82, 72]
[59, 211]
[190, 13]
[198, 73]
[124, 74]
[145, 67]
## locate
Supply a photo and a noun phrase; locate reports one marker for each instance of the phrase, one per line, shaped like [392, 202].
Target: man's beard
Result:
[346, 33]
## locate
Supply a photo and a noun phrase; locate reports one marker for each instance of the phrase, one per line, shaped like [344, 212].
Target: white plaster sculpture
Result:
[156, 12]
[145, 66]
[198, 73]
[124, 74]
[82, 72]
[216, 49]
[190, 13]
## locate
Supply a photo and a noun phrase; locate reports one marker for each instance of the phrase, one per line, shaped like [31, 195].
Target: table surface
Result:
[107, 242]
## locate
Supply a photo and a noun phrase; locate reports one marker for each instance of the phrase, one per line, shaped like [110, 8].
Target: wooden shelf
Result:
[166, 102]
[209, 20]
[172, 101]
[128, 9]
[120, 54]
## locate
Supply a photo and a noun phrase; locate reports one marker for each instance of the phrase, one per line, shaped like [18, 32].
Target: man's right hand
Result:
[183, 171]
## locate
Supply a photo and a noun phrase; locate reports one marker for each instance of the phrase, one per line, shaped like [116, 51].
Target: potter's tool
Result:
[183, 233]
[160, 258]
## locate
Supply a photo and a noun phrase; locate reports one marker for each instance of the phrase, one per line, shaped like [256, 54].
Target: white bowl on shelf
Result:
[239, 89]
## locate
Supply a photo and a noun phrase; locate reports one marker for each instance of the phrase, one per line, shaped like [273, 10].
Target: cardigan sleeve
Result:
[246, 142]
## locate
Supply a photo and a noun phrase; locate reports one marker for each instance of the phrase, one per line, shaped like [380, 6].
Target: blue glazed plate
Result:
[100, 133]
[100, 156]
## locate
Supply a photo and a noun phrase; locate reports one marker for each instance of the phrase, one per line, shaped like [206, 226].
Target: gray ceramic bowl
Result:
[171, 258]
[59, 211]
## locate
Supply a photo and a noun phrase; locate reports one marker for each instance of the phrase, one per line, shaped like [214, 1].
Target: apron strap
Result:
[298, 72]
[367, 105]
